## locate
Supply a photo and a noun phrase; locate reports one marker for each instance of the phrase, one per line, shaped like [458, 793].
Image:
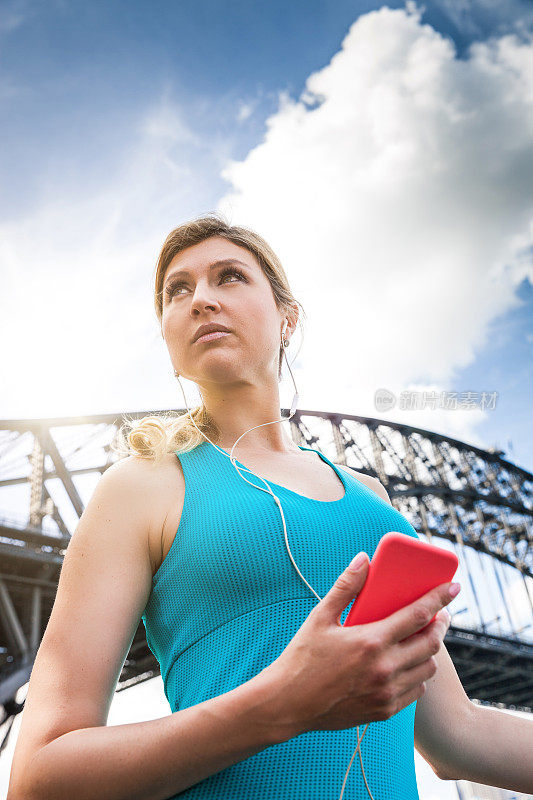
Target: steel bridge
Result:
[465, 499]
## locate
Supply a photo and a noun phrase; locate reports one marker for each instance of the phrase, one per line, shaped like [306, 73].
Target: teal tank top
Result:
[227, 600]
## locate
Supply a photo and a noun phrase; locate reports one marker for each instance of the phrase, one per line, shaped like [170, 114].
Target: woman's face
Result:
[197, 291]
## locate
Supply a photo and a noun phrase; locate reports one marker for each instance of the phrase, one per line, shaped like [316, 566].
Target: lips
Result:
[210, 337]
[210, 327]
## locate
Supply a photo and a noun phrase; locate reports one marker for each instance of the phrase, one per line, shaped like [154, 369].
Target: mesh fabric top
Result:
[227, 600]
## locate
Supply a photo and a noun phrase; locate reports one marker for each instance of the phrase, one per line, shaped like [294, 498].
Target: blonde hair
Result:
[154, 436]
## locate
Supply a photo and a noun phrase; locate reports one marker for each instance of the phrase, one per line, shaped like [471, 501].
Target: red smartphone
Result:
[401, 570]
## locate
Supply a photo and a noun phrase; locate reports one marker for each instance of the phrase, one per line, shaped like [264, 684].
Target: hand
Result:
[331, 677]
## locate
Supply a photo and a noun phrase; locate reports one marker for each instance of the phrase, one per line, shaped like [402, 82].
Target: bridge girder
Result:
[456, 494]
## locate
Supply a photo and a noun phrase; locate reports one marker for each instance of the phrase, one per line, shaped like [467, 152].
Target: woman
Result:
[265, 684]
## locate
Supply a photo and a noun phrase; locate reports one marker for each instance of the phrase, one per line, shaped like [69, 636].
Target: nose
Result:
[203, 299]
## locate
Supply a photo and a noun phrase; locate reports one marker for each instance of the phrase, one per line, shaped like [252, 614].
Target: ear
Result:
[292, 316]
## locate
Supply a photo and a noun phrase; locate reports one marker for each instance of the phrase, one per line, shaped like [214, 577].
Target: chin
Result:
[221, 370]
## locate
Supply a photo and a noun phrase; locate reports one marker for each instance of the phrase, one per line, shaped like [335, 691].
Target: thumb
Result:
[348, 584]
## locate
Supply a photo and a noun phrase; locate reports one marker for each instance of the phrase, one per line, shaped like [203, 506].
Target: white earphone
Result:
[294, 406]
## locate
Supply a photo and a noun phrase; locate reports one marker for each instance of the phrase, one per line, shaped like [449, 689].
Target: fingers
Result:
[346, 587]
[410, 695]
[416, 649]
[411, 683]
[415, 616]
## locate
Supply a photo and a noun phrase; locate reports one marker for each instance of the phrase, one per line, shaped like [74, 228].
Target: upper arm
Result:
[103, 587]
[441, 717]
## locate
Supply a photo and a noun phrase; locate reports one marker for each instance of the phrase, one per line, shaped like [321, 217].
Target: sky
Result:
[385, 152]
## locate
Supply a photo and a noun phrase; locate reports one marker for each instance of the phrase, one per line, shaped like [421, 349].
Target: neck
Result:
[240, 409]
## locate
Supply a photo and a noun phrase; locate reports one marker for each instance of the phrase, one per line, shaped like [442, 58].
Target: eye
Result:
[231, 271]
[173, 286]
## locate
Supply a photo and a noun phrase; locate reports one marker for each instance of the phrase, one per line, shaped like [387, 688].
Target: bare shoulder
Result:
[162, 489]
[134, 474]
[369, 481]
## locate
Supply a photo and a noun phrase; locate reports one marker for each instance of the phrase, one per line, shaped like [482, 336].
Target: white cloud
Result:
[244, 111]
[76, 308]
[397, 192]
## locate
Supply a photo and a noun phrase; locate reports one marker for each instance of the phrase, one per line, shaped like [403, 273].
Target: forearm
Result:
[497, 750]
[156, 759]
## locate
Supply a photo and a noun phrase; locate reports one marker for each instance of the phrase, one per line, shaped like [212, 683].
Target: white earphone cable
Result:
[230, 455]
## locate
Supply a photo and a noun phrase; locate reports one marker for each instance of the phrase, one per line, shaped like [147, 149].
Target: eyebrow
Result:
[223, 262]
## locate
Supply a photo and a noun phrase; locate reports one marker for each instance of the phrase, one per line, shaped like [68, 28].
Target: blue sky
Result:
[385, 152]
[122, 120]
[76, 75]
